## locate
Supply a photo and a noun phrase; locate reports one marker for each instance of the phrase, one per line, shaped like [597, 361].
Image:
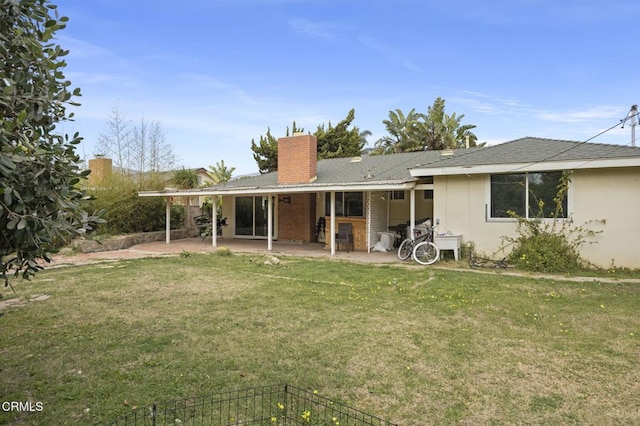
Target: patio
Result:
[198, 245]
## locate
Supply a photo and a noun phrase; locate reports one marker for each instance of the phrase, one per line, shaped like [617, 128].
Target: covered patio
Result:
[283, 248]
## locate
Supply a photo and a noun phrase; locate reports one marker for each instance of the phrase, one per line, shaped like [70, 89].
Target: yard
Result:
[415, 346]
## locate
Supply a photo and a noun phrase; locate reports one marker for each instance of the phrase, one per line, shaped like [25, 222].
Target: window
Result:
[523, 193]
[428, 194]
[347, 204]
[397, 195]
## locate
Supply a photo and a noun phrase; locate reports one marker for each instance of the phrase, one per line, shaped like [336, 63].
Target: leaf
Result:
[21, 224]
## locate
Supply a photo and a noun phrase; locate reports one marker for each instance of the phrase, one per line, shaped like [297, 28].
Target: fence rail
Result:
[266, 405]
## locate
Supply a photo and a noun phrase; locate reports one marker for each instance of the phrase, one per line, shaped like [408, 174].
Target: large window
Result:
[347, 204]
[524, 193]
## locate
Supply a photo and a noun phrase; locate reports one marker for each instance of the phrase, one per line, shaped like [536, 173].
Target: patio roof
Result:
[368, 173]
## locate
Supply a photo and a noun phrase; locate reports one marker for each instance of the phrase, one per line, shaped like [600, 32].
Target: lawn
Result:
[414, 346]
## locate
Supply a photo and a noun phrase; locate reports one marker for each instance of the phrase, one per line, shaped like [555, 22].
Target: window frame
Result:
[489, 206]
[393, 195]
[340, 201]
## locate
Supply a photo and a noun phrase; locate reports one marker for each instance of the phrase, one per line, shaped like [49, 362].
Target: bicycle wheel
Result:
[405, 249]
[426, 253]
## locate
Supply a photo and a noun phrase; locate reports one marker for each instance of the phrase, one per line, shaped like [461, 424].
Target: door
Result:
[251, 216]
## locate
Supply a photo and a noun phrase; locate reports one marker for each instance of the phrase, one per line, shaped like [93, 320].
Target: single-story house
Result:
[466, 192]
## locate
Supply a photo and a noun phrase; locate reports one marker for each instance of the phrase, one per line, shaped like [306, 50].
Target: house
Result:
[467, 192]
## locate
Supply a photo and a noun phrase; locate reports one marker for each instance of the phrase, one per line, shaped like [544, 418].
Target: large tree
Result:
[135, 149]
[333, 142]
[266, 151]
[435, 130]
[340, 141]
[41, 197]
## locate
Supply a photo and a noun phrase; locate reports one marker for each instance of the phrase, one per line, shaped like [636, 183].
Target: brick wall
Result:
[297, 159]
[101, 169]
[297, 220]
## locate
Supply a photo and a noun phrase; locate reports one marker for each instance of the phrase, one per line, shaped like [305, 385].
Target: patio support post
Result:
[167, 218]
[270, 222]
[214, 221]
[412, 213]
[333, 223]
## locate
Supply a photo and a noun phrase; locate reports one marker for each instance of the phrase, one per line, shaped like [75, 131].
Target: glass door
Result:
[251, 216]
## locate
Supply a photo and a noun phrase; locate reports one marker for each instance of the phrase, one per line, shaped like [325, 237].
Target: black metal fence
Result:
[266, 405]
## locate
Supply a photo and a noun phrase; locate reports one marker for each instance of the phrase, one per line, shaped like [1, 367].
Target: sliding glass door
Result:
[251, 216]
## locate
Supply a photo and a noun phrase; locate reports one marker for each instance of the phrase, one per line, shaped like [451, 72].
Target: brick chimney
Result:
[101, 169]
[297, 159]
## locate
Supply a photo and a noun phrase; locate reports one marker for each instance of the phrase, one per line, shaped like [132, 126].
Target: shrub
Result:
[126, 212]
[550, 244]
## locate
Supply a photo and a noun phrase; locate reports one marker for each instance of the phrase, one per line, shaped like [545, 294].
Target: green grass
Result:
[414, 346]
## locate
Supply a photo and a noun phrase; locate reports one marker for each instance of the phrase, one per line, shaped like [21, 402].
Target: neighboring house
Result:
[466, 191]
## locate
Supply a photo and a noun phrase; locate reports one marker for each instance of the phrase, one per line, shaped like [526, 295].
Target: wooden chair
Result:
[345, 235]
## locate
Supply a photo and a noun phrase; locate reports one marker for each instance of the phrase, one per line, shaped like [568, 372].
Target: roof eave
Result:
[281, 189]
[526, 167]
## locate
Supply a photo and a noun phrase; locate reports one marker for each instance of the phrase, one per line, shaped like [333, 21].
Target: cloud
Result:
[325, 30]
[584, 115]
[389, 52]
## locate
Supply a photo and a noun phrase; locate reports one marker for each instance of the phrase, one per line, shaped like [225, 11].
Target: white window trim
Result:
[487, 206]
[392, 198]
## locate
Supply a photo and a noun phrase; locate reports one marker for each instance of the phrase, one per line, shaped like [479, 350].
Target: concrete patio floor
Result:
[198, 245]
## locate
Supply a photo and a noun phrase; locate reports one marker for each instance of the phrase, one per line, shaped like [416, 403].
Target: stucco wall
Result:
[614, 195]
[460, 202]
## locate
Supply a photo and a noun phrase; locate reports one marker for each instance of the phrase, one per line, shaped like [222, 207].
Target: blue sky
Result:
[217, 73]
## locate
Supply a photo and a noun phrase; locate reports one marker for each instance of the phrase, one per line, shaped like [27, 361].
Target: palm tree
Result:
[185, 179]
[403, 133]
[220, 173]
[435, 130]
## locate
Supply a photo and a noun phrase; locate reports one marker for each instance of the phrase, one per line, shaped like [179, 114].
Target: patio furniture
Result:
[344, 235]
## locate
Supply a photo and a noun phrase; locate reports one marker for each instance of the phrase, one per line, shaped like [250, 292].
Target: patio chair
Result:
[344, 235]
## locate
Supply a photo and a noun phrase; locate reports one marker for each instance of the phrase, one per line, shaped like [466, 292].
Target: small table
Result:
[448, 242]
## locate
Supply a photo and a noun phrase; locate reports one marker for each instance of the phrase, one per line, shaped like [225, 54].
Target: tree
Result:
[266, 153]
[116, 143]
[339, 141]
[151, 149]
[220, 173]
[403, 133]
[41, 197]
[138, 149]
[185, 179]
[333, 142]
[442, 131]
[435, 130]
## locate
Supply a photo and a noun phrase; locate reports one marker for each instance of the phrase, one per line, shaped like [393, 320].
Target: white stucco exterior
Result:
[461, 203]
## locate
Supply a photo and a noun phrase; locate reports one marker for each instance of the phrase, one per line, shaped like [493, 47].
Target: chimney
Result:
[297, 159]
[101, 169]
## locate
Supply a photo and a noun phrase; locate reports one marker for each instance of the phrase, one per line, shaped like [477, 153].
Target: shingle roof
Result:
[395, 168]
[373, 169]
[532, 150]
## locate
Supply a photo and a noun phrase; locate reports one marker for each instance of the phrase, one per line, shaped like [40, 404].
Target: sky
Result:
[216, 74]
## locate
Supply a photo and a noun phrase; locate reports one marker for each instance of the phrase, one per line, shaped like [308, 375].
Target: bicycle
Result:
[421, 247]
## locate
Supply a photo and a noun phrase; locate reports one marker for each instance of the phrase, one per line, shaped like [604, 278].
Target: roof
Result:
[530, 154]
[400, 171]
[368, 172]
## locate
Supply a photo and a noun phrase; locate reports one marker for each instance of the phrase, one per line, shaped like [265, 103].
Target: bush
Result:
[128, 213]
[550, 244]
